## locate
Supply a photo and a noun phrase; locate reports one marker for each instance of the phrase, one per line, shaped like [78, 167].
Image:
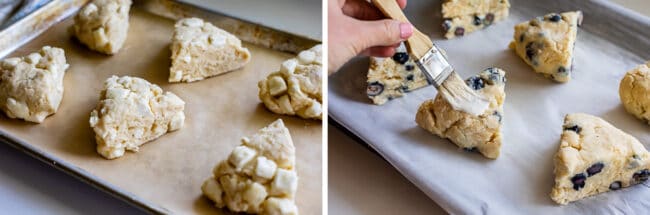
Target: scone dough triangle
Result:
[297, 88]
[31, 87]
[390, 78]
[546, 43]
[102, 25]
[259, 176]
[596, 157]
[201, 50]
[461, 17]
[132, 112]
[473, 133]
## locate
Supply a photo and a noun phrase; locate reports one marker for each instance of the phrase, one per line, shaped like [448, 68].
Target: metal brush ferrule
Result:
[435, 66]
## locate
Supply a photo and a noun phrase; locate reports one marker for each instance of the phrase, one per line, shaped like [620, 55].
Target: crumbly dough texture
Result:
[461, 17]
[201, 50]
[259, 176]
[297, 88]
[634, 92]
[102, 25]
[596, 157]
[131, 112]
[546, 43]
[390, 78]
[480, 133]
[31, 87]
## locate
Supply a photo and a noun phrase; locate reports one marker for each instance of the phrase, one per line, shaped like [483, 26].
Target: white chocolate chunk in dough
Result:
[297, 88]
[131, 112]
[102, 25]
[201, 50]
[31, 87]
[260, 175]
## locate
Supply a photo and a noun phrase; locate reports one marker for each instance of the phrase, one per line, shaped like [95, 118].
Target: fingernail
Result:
[405, 30]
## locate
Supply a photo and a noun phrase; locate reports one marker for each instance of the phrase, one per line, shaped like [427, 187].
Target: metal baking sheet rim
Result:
[599, 5]
[55, 12]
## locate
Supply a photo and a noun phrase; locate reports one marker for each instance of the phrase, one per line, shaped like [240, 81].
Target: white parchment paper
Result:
[520, 180]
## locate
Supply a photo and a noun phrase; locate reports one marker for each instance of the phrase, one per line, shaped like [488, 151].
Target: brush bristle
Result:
[461, 97]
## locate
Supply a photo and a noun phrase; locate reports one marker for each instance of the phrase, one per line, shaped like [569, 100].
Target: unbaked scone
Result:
[634, 92]
[546, 43]
[131, 112]
[102, 25]
[259, 176]
[201, 50]
[297, 88]
[390, 78]
[480, 133]
[461, 17]
[31, 87]
[596, 157]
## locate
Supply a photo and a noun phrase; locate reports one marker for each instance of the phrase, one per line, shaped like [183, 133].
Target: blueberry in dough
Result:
[375, 88]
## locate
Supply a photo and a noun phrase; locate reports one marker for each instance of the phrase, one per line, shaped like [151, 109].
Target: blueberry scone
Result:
[102, 25]
[390, 78]
[201, 50]
[461, 17]
[297, 88]
[546, 43]
[259, 176]
[131, 112]
[634, 92]
[596, 157]
[480, 133]
[31, 87]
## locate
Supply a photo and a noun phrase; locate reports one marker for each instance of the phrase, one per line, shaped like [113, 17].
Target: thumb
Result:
[384, 32]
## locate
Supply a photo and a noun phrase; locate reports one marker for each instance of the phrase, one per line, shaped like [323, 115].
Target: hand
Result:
[358, 27]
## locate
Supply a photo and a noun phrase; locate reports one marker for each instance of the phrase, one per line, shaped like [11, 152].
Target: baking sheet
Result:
[166, 175]
[611, 41]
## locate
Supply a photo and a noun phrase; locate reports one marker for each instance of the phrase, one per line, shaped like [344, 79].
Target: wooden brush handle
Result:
[418, 44]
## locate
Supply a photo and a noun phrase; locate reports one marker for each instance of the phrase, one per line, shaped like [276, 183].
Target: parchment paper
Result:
[610, 42]
[168, 171]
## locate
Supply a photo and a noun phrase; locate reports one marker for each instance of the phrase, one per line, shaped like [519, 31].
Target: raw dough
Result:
[461, 17]
[259, 176]
[634, 92]
[546, 43]
[102, 25]
[596, 157]
[480, 133]
[131, 112]
[31, 87]
[297, 88]
[390, 78]
[201, 50]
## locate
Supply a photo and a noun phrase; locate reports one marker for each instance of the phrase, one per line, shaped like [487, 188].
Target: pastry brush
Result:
[433, 63]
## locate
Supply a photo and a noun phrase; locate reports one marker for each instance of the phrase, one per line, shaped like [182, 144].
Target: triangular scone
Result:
[473, 133]
[297, 88]
[546, 43]
[131, 112]
[31, 87]
[465, 16]
[201, 50]
[390, 78]
[259, 176]
[102, 25]
[596, 157]
[634, 92]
